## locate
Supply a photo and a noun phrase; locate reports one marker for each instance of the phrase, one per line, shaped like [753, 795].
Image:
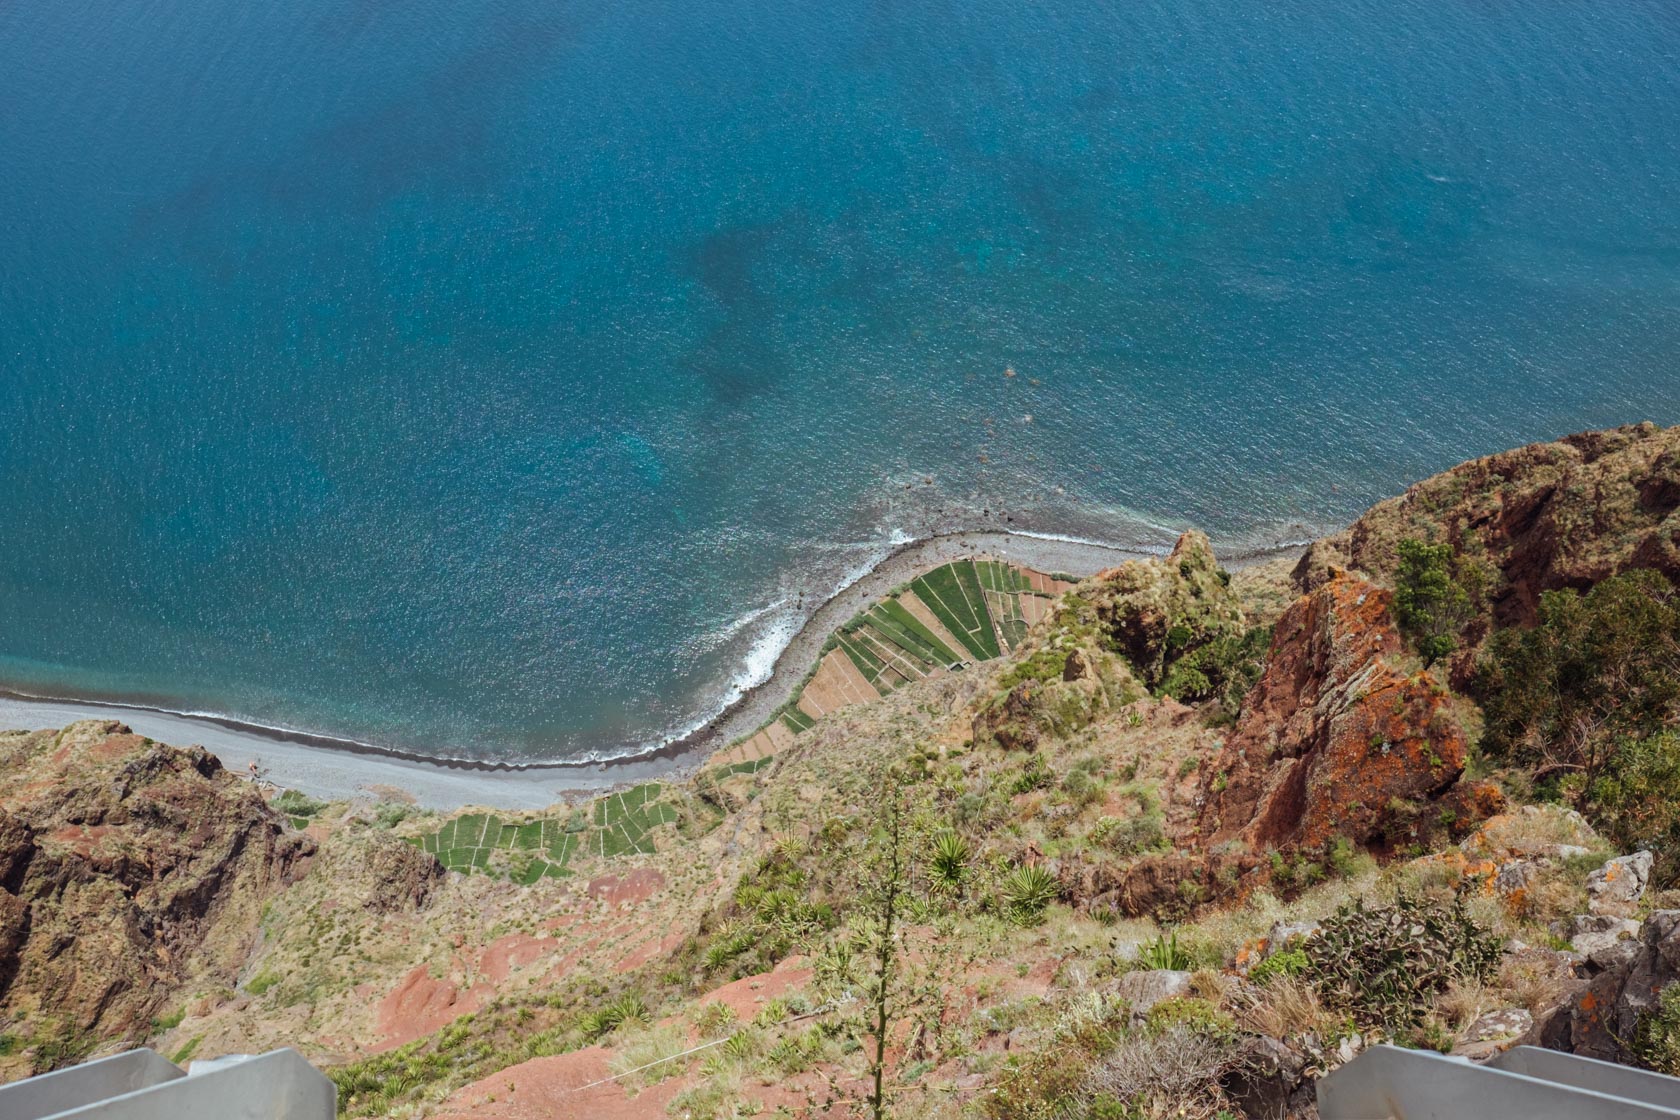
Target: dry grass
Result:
[1286, 1007]
[655, 1045]
[1464, 1002]
[1175, 1073]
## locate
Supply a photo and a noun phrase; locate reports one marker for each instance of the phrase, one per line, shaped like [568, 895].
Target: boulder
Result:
[1595, 933]
[1283, 933]
[1518, 875]
[1011, 721]
[1146, 988]
[1492, 1033]
[1267, 1078]
[1617, 887]
[1601, 1018]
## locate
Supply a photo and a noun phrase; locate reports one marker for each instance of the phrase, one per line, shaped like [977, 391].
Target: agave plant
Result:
[951, 854]
[628, 1010]
[1165, 953]
[1026, 893]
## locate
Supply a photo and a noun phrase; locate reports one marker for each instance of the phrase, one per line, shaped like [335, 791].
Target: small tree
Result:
[897, 940]
[1430, 603]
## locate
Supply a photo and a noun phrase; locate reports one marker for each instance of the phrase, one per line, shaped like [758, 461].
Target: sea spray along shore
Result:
[1195, 814]
[331, 767]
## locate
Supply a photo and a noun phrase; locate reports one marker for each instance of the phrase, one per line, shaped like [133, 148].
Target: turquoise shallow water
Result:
[495, 378]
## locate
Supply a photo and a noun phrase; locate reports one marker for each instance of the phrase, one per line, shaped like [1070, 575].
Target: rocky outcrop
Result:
[1531, 520]
[1616, 888]
[1600, 1018]
[1337, 738]
[403, 874]
[1158, 610]
[128, 870]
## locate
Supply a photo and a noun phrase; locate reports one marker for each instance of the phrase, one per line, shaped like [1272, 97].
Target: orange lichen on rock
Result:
[1336, 739]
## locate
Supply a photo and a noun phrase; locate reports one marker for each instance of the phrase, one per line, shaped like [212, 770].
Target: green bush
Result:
[1634, 801]
[1081, 788]
[1143, 832]
[1385, 965]
[1194, 1015]
[627, 1010]
[1166, 953]
[1224, 669]
[1041, 665]
[1656, 1040]
[1284, 962]
[1431, 603]
[949, 866]
[1595, 667]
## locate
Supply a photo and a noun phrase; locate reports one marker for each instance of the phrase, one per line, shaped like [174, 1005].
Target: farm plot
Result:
[525, 851]
[953, 593]
[971, 610]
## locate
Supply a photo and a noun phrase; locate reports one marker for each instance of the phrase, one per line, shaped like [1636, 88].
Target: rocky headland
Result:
[1193, 838]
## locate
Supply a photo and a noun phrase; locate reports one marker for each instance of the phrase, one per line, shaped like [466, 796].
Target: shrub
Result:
[1430, 603]
[1188, 1013]
[1035, 775]
[627, 1010]
[715, 1019]
[1284, 962]
[1634, 801]
[1384, 965]
[1081, 789]
[1041, 665]
[297, 804]
[949, 866]
[1027, 891]
[1224, 670]
[1595, 667]
[1656, 1040]
[1173, 1072]
[389, 814]
[1131, 835]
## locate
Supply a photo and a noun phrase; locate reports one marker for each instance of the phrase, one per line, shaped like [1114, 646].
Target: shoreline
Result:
[336, 768]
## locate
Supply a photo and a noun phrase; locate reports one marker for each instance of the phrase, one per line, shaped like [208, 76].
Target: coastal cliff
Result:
[129, 871]
[1172, 812]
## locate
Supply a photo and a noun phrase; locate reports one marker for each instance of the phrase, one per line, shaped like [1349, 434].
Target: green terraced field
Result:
[617, 824]
[977, 601]
[953, 593]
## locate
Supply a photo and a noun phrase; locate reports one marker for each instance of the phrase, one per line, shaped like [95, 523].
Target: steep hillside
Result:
[1193, 838]
[130, 872]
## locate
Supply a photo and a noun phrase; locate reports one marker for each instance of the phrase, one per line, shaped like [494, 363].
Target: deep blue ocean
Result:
[493, 378]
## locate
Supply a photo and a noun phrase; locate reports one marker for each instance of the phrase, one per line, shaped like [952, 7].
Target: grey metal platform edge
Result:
[84, 1084]
[1590, 1073]
[1390, 1083]
[140, 1085]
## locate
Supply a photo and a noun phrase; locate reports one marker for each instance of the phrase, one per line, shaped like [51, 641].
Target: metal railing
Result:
[1524, 1083]
[140, 1085]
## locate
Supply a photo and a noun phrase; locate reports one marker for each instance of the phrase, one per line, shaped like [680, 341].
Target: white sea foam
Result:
[1060, 538]
[778, 624]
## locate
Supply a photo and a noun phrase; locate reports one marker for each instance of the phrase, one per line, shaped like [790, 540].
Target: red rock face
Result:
[1336, 738]
[1533, 519]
